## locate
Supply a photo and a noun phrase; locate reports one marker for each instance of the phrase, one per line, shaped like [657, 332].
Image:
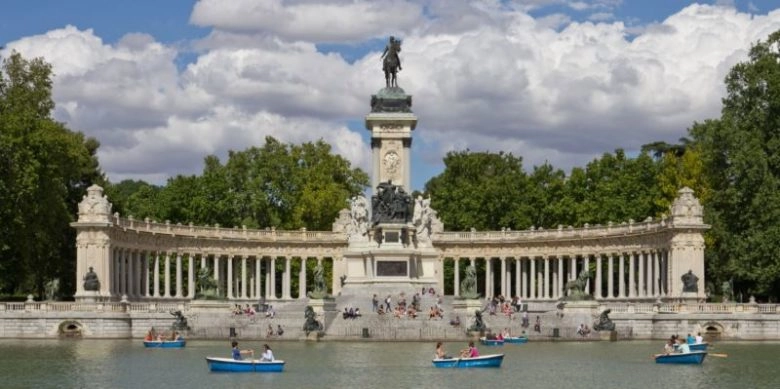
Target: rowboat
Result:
[493, 360]
[516, 339]
[491, 342]
[165, 343]
[695, 346]
[691, 358]
[246, 365]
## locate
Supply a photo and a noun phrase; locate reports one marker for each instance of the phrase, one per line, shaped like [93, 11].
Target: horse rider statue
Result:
[391, 63]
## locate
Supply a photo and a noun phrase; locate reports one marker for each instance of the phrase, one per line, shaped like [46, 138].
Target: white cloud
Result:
[314, 20]
[546, 89]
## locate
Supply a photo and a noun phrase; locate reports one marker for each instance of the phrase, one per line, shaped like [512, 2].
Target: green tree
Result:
[481, 190]
[741, 156]
[44, 171]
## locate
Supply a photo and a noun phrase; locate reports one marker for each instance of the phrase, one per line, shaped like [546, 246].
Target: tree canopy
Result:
[45, 169]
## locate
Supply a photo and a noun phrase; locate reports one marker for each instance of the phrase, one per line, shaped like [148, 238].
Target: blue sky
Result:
[557, 81]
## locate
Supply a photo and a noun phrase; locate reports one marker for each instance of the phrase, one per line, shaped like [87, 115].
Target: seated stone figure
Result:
[91, 282]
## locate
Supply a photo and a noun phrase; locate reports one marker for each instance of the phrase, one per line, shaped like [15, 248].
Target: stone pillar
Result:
[526, 291]
[559, 288]
[533, 285]
[191, 276]
[286, 281]
[302, 280]
[243, 277]
[641, 276]
[229, 271]
[122, 253]
[273, 278]
[216, 273]
[622, 278]
[145, 275]
[503, 277]
[631, 270]
[258, 278]
[156, 292]
[267, 262]
[546, 282]
[656, 274]
[597, 289]
[456, 287]
[610, 276]
[489, 291]
[572, 267]
[178, 275]
[586, 266]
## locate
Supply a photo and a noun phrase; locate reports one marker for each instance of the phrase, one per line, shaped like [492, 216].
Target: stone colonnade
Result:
[143, 274]
[635, 275]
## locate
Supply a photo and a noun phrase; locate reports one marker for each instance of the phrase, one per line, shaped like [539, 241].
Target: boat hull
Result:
[691, 358]
[491, 342]
[165, 343]
[483, 361]
[244, 366]
[698, 346]
[516, 339]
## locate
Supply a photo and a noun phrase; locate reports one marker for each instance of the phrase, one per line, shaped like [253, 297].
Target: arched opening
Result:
[712, 332]
[70, 329]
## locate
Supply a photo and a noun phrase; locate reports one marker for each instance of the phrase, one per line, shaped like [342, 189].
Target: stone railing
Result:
[150, 307]
[217, 232]
[696, 308]
[597, 231]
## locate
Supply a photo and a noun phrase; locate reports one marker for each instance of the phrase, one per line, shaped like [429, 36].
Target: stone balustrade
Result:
[150, 307]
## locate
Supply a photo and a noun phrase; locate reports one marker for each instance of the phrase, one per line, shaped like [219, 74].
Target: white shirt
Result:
[268, 355]
[699, 339]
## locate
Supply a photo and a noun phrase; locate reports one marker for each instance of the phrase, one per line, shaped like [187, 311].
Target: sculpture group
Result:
[391, 204]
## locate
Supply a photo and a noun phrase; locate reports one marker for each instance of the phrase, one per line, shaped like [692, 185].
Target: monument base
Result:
[608, 335]
[321, 306]
[466, 306]
[88, 296]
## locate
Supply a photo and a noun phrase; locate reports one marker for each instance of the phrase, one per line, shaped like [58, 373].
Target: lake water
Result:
[568, 365]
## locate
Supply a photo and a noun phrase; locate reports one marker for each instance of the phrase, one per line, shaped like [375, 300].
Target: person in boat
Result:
[149, 335]
[174, 335]
[682, 346]
[440, 353]
[238, 353]
[690, 339]
[470, 352]
[669, 347]
[699, 338]
[268, 355]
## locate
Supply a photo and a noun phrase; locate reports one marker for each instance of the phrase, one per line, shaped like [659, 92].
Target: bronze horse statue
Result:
[391, 63]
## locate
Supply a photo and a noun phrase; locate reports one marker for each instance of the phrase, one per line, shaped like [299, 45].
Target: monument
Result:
[392, 248]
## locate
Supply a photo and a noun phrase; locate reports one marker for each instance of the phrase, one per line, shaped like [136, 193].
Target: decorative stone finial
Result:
[94, 207]
[686, 208]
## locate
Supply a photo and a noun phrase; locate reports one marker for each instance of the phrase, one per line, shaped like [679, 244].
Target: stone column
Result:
[517, 276]
[286, 283]
[610, 276]
[121, 271]
[622, 278]
[216, 273]
[302, 280]
[533, 285]
[546, 283]
[526, 292]
[503, 277]
[191, 276]
[258, 278]
[631, 282]
[586, 266]
[488, 278]
[456, 287]
[156, 276]
[145, 275]
[572, 267]
[243, 277]
[559, 288]
[178, 275]
[229, 272]
[273, 278]
[267, 262]
[166, 275]
[656, 274]
[597, 290]
[641, 276]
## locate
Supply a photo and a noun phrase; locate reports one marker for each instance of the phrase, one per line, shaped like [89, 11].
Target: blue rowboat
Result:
[698, 346]
[165, 343]
[691, 358]
[491, 342]
[247, 365]
[493, 360]
[516, 339]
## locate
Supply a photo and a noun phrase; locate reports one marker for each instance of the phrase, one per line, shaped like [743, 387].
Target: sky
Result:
[162, 84]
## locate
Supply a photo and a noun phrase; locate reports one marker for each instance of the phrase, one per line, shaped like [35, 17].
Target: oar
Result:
[718, 355]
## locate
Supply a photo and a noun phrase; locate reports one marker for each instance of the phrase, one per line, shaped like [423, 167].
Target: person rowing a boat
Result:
[440, 353]
[268, 355]
[237, 353]
[682, 346]
[470, 352]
